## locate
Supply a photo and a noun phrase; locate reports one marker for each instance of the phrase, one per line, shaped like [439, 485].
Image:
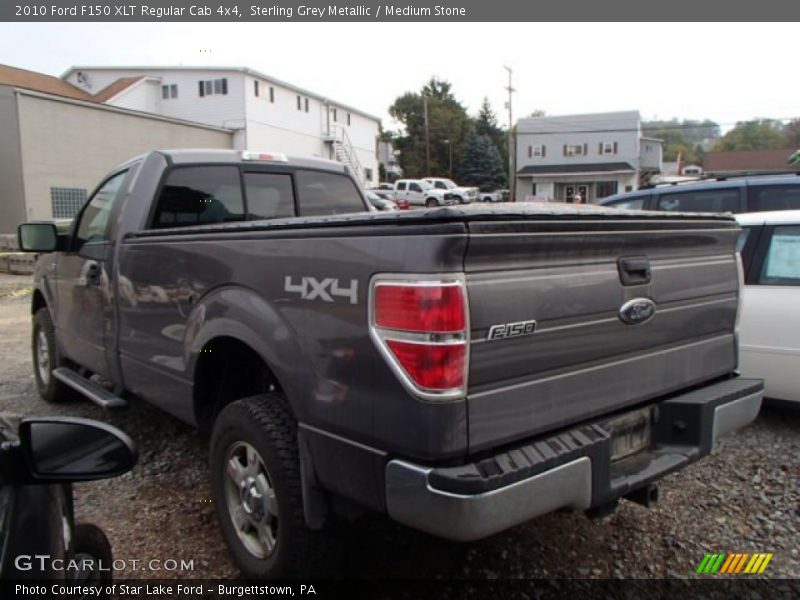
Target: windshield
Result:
[449, 184]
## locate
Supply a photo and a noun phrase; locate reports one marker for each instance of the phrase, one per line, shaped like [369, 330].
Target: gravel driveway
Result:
[743, 498]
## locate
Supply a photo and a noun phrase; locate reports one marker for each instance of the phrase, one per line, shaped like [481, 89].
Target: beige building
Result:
[57, 142]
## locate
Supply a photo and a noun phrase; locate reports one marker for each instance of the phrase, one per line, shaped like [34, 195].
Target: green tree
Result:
[792, 132]
[486, 124]
[758, 134]
[687, 137]
[481, 165]
[448, 125]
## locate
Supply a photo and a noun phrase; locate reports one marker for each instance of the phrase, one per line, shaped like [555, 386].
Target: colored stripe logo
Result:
[737, 562]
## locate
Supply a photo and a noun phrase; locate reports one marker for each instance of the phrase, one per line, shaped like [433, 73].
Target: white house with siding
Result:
[591, 156]
[264, 112]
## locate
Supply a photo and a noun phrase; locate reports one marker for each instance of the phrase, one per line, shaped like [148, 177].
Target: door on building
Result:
[573, 190]
[84, 281]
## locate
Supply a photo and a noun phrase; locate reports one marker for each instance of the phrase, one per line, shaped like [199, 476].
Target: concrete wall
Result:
[68, 144]
[12, 190]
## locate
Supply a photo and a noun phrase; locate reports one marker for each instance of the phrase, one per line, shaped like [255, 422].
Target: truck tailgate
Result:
[581, 359]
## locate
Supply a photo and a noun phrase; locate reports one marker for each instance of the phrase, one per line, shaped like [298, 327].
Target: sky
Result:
[725, 72]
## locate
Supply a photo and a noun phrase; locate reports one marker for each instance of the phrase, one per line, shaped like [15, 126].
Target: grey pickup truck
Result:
[462, 369]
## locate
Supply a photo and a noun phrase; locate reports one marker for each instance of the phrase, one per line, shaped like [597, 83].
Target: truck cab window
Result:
[320, 194]
[93, 226]
[199, 196]
[269, 195]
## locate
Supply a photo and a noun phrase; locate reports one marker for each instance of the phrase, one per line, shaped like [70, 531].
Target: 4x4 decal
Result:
[311, 288]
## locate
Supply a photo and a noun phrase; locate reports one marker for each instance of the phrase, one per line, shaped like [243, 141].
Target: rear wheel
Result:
[255, 476]
[431, 202]
[46, 359]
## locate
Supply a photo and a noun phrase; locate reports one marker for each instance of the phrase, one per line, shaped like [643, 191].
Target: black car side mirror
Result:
[37, 237]
[74, 449]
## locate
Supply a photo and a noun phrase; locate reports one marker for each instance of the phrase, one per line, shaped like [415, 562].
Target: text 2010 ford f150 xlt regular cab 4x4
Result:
[462, 369]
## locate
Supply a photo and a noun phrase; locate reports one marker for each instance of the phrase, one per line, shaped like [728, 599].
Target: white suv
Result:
[462, 195]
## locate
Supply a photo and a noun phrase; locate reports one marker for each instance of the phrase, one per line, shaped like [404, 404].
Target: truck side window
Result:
[724, 200]
[320, 194]
[414, 187]
[401, 187]
[269, 195]
[774, 197]
[93, 226]
[200, 195]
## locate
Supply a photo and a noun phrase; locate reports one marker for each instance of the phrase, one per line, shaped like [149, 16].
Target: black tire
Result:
[49, 388]
[91, 544]
[266, 424]
[459, 199]
[431, 202]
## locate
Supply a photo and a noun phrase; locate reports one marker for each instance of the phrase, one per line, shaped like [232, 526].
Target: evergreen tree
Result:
[481, 164]
[486, 124]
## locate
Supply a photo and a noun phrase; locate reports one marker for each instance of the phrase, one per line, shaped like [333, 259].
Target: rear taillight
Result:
[421, 327]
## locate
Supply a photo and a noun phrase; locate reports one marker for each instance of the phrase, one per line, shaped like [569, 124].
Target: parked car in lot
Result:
[769, 342]
[40, 458]
[495, 196]
[461, 370]
[735, 195]
[379, 203]
[462, 195]
[400, 203]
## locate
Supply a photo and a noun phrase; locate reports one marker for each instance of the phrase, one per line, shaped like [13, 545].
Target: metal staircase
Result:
[344, 151]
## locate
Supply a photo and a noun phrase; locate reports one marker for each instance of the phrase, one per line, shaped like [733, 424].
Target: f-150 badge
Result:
[311, 288]
[637, 311]
[511, 330]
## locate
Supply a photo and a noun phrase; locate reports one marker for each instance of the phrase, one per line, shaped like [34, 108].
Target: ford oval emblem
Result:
[638, 310]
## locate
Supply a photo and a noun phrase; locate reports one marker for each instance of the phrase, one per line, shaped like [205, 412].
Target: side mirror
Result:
[74, 449]
[37, 237]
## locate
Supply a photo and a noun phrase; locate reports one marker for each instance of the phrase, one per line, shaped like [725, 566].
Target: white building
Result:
[590, 156]
[264, 112]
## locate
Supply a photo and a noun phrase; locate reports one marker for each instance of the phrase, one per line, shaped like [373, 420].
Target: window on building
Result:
[348, 118]
[269, 195]
[93, 226]
[255, 88]
[574, 149]
[335, 115]
[299, 105]
[326, 194]
[533, 188]
[603, 189]
[66, 202]
[212, 86]
[607, 148]
[536, 150]
[200, 195]
[306, 104]
[169, 91]
[368, 174]
[272, 94]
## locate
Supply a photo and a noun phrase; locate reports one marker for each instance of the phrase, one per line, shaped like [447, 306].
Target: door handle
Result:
[634, 270]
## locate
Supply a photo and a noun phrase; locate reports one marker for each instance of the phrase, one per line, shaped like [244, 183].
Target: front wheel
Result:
[46, 359]
[431, 202]
[93, 555]
[255, 476]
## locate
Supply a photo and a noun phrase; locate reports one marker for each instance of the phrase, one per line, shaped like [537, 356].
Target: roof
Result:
[777, 217]
[118, 86]
[245, 70]
[39, 82]
[747, 160]
[579, 168]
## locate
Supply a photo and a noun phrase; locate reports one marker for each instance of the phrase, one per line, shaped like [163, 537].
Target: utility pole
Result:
[427, 137]
[512, 158]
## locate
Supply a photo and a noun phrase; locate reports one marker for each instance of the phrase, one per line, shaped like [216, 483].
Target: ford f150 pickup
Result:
[461, 369]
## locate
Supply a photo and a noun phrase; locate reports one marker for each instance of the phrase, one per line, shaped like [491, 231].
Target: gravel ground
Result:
[743, 498]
